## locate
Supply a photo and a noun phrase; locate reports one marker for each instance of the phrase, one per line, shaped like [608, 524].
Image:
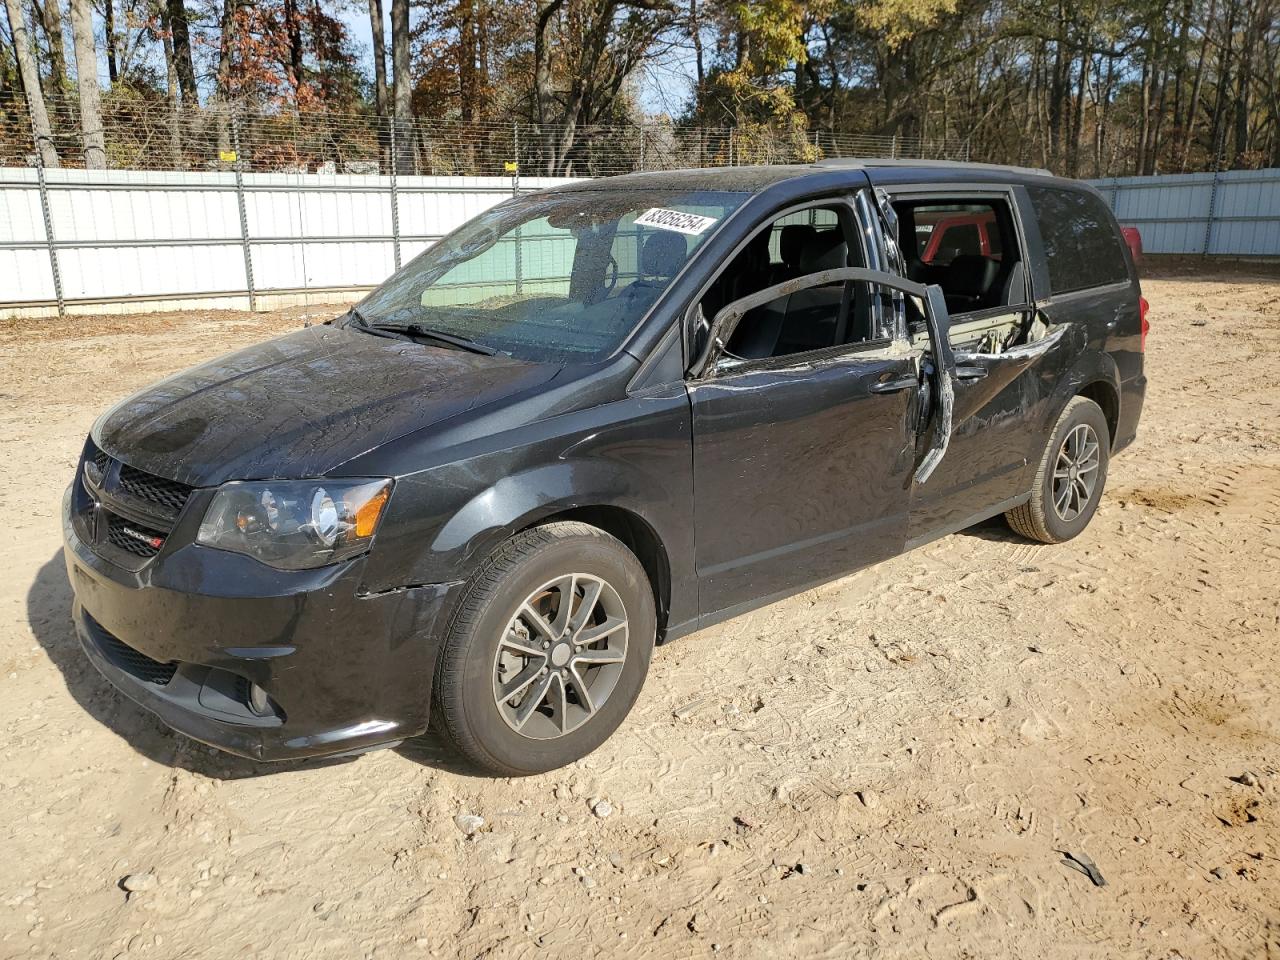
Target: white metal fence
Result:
[116, 240]
[119, 240]
[1230, 213]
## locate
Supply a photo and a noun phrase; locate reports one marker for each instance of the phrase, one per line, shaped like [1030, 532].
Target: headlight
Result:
[295, 524]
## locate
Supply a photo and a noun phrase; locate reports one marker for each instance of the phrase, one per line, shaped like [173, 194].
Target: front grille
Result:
[153, 489]
[129, 660]
[100, 462]
[133, 537]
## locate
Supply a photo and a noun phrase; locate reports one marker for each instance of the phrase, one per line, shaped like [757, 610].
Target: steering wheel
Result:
[612, 280]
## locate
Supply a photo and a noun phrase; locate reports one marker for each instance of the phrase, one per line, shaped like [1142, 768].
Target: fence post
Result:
[515, 145]
[48, 226]
[244, 215]
[731, 146]
[1213, 202]
[893, 147]
[395, 194]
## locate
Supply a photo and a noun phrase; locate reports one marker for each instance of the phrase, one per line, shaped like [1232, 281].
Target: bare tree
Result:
[379, 56]
[606, 42]
[31, 83]
[95, 144]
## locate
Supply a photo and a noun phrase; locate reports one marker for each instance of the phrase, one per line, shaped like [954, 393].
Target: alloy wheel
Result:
[560, 656]
[1075, 472]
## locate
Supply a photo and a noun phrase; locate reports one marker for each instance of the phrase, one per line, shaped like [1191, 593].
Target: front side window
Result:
[560, 277]
[1081, 245]
[793, 246]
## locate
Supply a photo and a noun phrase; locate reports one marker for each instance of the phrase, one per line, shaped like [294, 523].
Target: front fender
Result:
[632, 455]
[524, 499]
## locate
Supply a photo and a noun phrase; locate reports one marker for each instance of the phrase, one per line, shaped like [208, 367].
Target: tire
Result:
[1041, 517]
[494, 643]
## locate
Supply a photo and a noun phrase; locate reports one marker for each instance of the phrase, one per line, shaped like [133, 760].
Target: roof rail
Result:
[948, 164]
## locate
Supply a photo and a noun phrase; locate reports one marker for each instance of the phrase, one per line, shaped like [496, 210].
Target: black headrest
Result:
[825, 250]
[663, 254]
[971, 275]
[791, 241]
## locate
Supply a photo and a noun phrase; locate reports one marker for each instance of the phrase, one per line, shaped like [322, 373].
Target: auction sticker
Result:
[689, 223]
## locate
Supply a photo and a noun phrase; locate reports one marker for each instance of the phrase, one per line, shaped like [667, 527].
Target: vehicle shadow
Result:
[49, 614]
[996, 530]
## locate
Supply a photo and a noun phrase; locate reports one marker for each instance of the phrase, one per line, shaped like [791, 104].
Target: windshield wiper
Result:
[361, 322]
[420, 332]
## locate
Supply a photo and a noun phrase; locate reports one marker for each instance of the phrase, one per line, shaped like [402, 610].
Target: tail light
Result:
[1143, 307]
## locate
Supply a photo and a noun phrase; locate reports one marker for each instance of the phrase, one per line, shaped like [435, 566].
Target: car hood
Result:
[302, 404]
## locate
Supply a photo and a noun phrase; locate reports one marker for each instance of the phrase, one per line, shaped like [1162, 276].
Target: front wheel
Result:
[548, 650]
[1069, 478]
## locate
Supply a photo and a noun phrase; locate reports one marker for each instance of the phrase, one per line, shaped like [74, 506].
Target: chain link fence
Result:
[147, 135]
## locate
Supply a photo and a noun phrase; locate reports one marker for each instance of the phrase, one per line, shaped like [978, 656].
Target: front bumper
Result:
[187, 634]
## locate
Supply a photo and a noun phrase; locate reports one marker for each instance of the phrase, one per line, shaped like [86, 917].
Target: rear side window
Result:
[1080, 239]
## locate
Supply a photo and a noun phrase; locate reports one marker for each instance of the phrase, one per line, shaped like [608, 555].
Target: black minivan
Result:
[591, 420]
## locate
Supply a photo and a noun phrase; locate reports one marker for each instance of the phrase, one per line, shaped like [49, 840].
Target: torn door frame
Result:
[937, 322]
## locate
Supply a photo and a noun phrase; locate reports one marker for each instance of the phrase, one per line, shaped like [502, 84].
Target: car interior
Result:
[967, 247]
[795, 245]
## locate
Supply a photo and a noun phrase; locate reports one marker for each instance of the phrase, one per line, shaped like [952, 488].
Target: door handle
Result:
[970, 372]
[893, 386]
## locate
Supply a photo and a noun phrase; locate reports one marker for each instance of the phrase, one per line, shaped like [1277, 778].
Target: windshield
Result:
[556, 277]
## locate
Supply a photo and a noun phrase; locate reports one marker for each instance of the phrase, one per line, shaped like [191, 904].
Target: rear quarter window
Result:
[1081, 243]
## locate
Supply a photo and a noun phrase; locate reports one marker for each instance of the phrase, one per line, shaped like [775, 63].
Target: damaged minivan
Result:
[591, 420]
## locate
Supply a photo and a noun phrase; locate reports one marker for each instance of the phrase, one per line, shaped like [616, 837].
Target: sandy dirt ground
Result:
[897, 764]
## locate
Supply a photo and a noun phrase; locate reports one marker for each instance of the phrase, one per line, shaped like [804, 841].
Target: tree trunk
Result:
[95, 142]
[1244, 88]
[1144, 128]
[542, 83]
[51, 19]
[293, 30]
[403, 91]
[109, 29]
[379, 56]
[171, 90]
[1217, 139]
[223, 94]
[467, 59]
[31, 84]
[183, 64]
[699, 64]
[1193, 103]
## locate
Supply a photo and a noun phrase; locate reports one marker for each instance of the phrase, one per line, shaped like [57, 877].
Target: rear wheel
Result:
[548, 651]
[1069, 478]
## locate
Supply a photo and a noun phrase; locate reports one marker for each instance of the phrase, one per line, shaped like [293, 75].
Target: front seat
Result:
[661, 258]
[791, 243]
[813, 315]
[970, 277]
[805, 320]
